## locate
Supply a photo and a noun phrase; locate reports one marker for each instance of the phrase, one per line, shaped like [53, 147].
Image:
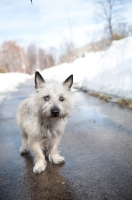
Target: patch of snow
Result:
[9, 82]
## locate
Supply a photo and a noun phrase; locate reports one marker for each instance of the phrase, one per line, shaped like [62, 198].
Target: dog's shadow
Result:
[50, 184]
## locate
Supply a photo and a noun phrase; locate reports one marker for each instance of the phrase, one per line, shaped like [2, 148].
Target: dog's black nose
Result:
[55, 112]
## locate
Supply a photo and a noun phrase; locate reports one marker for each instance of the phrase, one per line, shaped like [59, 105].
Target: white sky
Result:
[50, 22]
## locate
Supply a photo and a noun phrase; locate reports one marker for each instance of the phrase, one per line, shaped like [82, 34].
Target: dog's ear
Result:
[68, 82]
[39, 81]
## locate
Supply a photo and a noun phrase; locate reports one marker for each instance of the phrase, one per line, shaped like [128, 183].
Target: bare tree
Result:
[122, 30]
[11, 59]
[50, 60]
[45, 60]
[31, 61]
[69, 52]
[42, 62]
[109, 11]
[130, 29]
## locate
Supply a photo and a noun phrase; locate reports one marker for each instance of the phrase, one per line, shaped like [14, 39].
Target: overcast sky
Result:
[51, 22]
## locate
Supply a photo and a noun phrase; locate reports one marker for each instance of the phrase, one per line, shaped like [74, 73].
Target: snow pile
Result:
[9, 82]
[107, 72]
[114, 72]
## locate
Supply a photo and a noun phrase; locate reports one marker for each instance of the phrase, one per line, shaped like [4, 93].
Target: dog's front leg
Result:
[54, 156]
[40, 163]
[24, 147]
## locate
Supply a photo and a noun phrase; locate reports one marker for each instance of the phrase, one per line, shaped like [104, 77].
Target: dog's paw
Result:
[39, 167]
[23, 151]
[56, 159]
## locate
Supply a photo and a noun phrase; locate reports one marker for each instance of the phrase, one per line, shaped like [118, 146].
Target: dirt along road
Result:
[97, 146]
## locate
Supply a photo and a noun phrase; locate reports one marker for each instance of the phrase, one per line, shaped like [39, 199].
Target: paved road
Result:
[97, 146]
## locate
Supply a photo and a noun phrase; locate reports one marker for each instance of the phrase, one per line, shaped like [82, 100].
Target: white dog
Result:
[41, 118]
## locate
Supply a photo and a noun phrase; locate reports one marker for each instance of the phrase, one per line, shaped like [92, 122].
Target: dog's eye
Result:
[47, 98]
[61, 99]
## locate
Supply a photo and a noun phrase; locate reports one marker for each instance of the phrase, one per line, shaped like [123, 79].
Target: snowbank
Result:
[107, 72]
[9, 82]
[114, 72]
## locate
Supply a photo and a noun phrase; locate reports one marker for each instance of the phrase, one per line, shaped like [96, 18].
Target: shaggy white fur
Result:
[42, 119]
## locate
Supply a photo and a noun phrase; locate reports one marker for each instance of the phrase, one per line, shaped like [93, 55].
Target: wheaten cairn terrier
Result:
[42, 119]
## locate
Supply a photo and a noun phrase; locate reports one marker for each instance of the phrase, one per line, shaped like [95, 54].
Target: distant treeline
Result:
[13, 58]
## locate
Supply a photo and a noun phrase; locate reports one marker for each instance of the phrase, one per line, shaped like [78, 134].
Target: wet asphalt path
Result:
[97, 146]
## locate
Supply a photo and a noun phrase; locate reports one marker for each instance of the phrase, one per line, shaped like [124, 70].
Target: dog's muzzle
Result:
[55, 112]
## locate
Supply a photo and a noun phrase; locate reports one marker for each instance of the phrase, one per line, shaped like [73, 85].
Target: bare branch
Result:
[110, 12]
